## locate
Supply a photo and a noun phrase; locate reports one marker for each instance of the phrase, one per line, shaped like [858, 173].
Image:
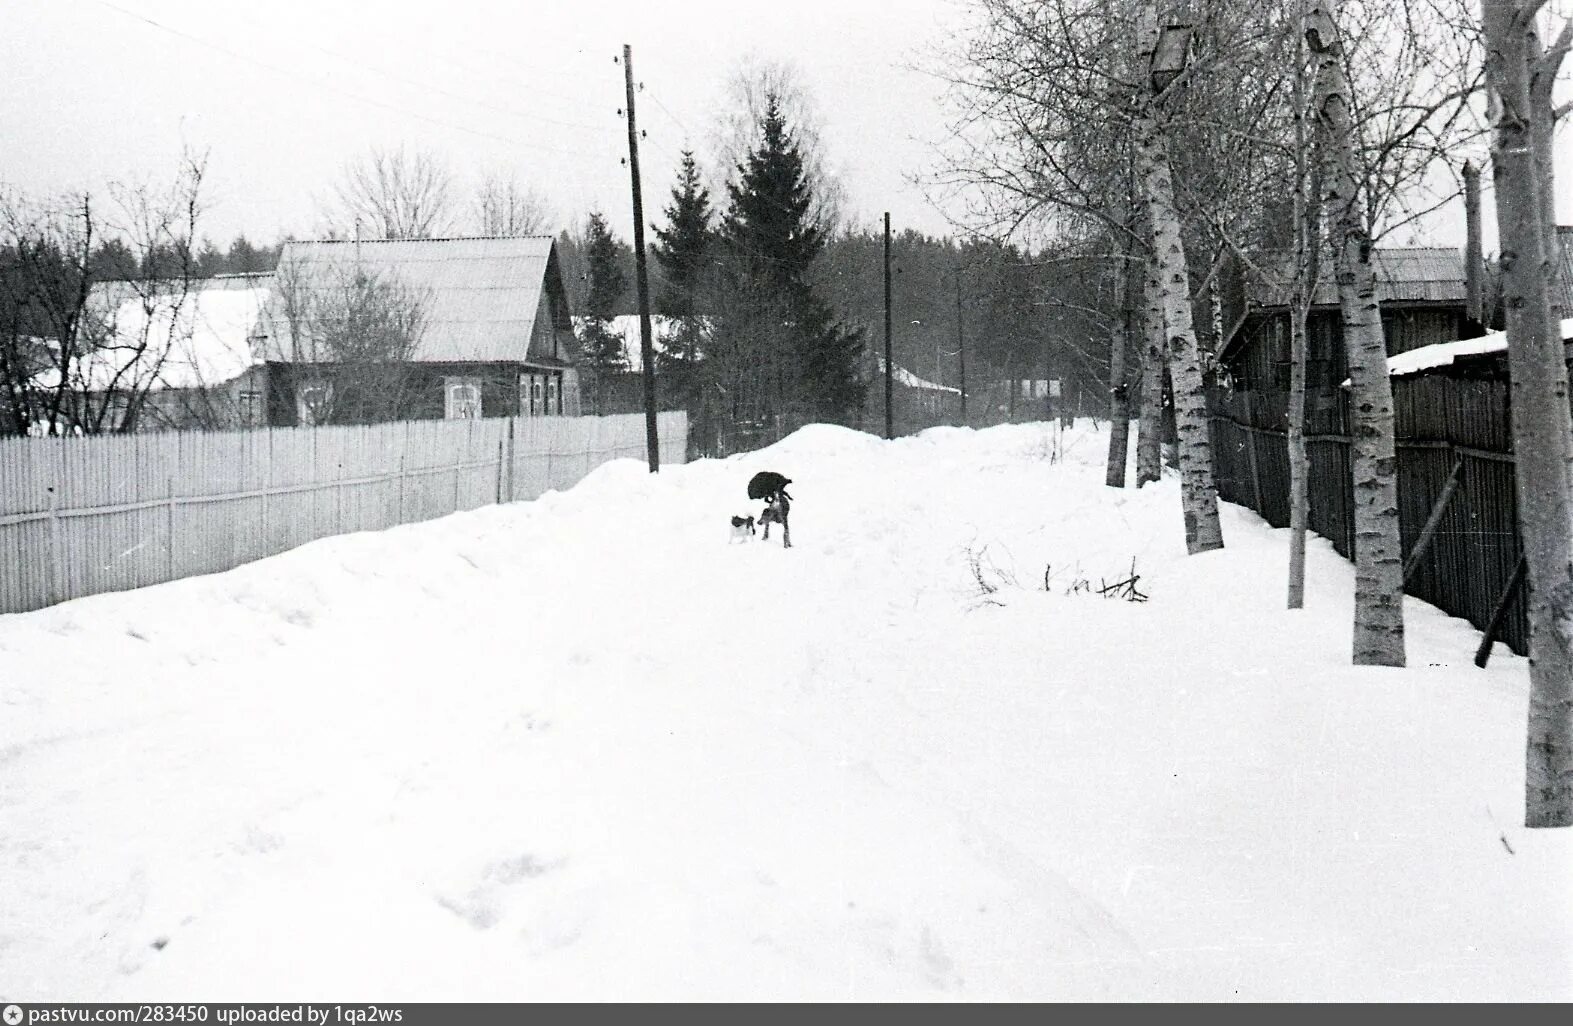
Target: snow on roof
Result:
[177, 338]
[479, 295]
[911, 380]
[1441, 354]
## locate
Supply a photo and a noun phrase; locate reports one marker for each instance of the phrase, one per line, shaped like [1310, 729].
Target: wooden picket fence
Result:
[80, 516]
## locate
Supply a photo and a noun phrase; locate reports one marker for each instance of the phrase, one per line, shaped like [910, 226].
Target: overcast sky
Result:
[281, 94]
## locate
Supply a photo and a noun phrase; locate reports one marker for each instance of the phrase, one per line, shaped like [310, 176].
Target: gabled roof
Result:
[167, 335]
[481, 295]
[1428, 274]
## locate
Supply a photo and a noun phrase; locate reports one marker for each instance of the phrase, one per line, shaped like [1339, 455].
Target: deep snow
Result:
[583, 747]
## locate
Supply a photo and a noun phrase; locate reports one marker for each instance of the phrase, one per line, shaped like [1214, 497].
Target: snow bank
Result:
[584, 747]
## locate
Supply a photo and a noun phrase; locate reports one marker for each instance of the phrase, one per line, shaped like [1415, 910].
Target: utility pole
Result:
[646, 349]
[889, 366]
[961, 348]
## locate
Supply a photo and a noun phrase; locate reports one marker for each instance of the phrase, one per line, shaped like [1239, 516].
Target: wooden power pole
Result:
[890, 368]
[961, 349]
[646, 349]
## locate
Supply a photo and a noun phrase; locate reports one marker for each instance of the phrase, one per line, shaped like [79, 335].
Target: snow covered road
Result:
[584, 748]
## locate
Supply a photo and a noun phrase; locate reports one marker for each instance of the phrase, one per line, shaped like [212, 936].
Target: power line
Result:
[328, 86]
[668, 112]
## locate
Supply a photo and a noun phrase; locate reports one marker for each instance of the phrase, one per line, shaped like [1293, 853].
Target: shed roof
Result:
[481, 295]
[1422, 274]
[1441, 354]
[902, 376]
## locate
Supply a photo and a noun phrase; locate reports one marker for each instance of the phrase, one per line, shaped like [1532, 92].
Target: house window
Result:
[463, 398]
[554, 395]
[537, 396]
[118, 406]
[314, 402]
[250, 408]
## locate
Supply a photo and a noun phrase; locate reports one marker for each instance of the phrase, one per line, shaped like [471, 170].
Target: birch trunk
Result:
[1379, 568]
[1299, 461]
[1119, 398]
[1149, 426]
[1307, 250]
[1198, 494]
[1542, 123]
[1542, 434]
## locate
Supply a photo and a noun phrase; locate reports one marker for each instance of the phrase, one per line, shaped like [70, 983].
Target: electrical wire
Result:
[330, 87]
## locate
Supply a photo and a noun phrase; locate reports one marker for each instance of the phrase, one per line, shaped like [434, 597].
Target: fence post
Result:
[464, 457]
[169, 527]
[505, 466]
[55, 586]
[266, 548]
[404, 449]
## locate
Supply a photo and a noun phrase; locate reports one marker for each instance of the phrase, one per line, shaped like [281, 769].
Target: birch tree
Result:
[393, 194]
[1379, 568]
[1542, 433]
[1149, 427]
[504, 207]
[1307, 267]
[1198, 493]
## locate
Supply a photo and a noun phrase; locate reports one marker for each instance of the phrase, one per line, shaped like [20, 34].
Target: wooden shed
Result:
[1422, 291]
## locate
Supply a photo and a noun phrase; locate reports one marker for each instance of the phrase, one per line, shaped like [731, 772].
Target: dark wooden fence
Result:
[1445, 427]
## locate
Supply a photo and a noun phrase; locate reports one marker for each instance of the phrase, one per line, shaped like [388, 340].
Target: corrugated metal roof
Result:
[480, 294]
[1432, 274]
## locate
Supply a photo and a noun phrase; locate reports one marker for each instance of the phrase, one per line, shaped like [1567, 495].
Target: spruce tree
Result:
[607, 282]
[768, 226]
[683, 250]
[683, 246]
[773, 240]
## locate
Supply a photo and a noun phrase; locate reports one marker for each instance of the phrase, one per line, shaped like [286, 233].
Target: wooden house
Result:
[495, 336]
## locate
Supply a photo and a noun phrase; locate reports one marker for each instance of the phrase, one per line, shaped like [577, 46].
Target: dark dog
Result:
[742, 528]
[767, 484]
[776, 513]
[771, 487]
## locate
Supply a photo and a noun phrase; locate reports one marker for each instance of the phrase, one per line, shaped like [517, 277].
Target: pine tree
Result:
[607, 282]
[772, 241]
